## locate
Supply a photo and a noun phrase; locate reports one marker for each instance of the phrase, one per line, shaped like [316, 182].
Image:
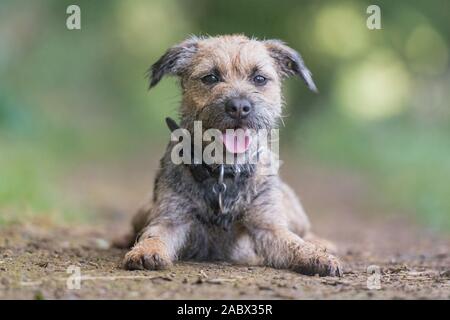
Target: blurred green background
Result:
[72, 98]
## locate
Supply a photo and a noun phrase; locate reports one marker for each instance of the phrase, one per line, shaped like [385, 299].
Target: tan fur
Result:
[150, 253]
[271, 227]
[235, 57]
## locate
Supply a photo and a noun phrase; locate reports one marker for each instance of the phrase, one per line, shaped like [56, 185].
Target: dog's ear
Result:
[289, 62]
[173, 62]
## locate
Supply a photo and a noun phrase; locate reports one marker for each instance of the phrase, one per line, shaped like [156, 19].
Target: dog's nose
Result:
[238, 108]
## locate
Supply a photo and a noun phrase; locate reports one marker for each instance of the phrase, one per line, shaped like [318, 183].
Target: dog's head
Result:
[231, 82]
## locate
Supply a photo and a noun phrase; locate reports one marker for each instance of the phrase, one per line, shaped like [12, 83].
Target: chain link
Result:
[220, 188]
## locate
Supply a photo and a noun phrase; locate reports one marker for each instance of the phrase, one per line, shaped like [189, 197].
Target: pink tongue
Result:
[236, 141]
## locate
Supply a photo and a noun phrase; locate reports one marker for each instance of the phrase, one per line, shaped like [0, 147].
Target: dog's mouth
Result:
[237, 140]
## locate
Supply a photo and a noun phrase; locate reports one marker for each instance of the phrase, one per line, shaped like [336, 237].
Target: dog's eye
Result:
[210, 79]
[259, 80]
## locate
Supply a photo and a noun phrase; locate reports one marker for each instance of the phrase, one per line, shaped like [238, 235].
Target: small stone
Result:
[102, 244]
[199, 281]
[445, 274]
[265, 288]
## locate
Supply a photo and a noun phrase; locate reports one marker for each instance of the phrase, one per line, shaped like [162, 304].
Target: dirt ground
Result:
[412, 261]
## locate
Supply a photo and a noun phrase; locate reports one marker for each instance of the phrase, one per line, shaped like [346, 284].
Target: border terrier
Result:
[227, 82]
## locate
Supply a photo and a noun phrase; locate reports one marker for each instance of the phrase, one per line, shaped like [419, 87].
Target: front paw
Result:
[149, 254]
[321, 263]
[329, 265]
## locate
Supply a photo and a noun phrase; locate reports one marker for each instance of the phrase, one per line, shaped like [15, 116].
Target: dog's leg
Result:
[282, 248]
[157, 247]
[278, 244]
[162, 236]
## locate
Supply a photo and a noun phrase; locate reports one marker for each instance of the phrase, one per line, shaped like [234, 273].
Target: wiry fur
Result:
[268, 225]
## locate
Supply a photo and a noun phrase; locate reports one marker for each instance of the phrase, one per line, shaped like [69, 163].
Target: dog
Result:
[227, 82]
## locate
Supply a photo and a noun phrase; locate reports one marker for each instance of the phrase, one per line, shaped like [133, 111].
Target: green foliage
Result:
[407, 163]
[67, 97]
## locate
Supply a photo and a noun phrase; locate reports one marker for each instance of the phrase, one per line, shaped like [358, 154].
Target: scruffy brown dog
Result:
[228, 82]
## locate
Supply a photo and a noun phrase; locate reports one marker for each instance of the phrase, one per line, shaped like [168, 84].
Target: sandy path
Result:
[413, 262]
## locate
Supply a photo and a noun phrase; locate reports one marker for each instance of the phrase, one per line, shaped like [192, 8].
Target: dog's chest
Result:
[224, 206]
